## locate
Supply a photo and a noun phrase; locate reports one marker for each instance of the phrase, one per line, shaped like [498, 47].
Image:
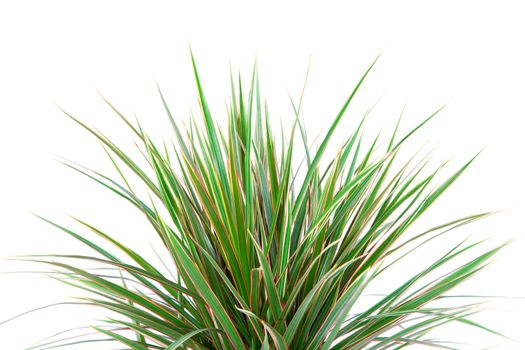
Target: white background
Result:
[469, 54]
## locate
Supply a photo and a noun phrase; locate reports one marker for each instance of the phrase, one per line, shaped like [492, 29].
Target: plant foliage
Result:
[265, 255]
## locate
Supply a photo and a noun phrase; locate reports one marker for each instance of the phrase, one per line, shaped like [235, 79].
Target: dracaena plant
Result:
[263, 253]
